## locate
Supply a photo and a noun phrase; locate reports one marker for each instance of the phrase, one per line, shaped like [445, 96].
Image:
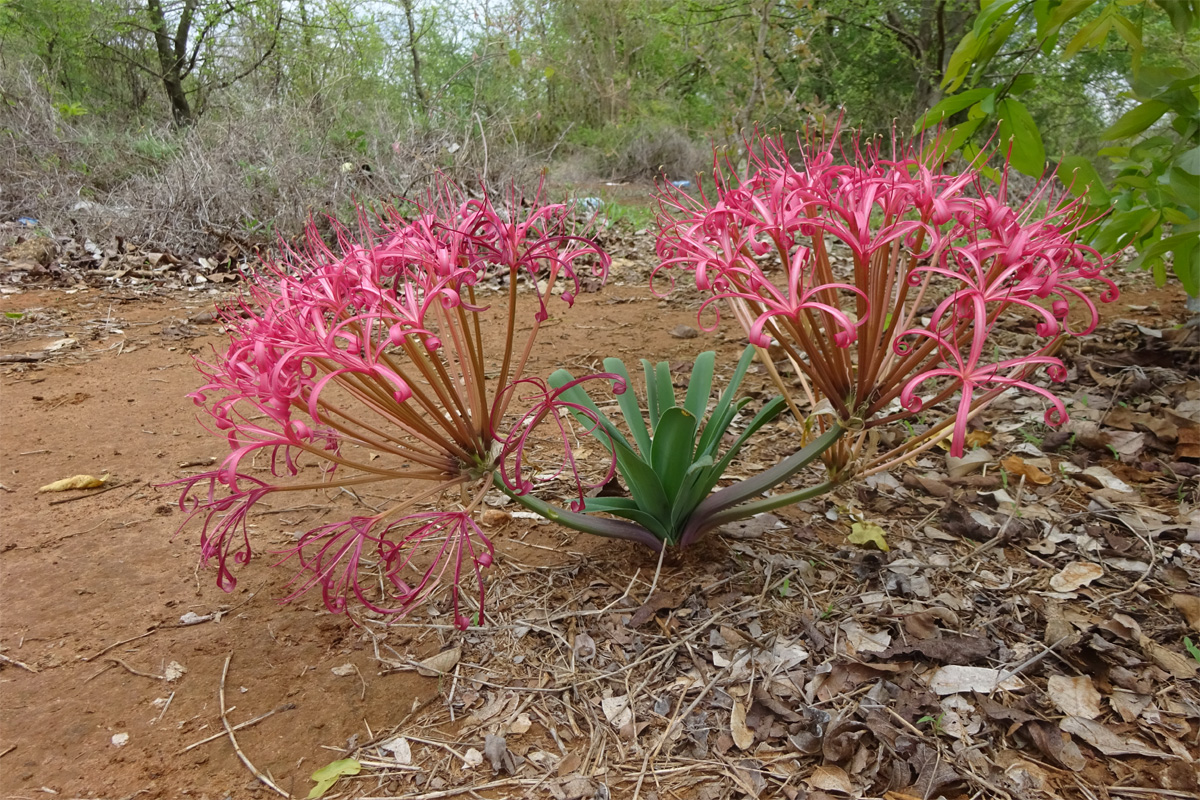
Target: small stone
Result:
[684, 332]
[120, 739]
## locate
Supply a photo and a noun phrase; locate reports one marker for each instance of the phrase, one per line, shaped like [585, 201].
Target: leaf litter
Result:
[1021, 638]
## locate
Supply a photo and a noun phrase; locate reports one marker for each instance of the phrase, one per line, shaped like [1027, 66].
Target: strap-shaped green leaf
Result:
[671, 451]
[600, 526]
[711, 436]
[609, 505]
[630, 409]
[742, 491]
[643, 482]
[666, 391]
[652, 402]
[709, 445]
[698, 481]
[767, 413]
[628, 508]
[700, 384]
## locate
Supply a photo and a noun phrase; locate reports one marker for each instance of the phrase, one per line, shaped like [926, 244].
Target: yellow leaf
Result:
[974, 439]
[1016, 466]
[865, 533]
[75, 482]
[978, 438]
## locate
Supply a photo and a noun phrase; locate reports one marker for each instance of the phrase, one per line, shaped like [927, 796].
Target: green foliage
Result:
[1152, 202]
[328, 775]
[673, 461]
[1192, 649]
[69, 110]
[635, 217]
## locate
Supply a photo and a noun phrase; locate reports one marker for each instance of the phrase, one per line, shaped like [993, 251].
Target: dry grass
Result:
[246, 172]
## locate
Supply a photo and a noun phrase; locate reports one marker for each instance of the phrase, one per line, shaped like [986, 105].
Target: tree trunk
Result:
[416, 61]
[171, 55]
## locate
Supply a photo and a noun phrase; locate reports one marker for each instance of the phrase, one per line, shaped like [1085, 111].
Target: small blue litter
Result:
[682, 184]
[28, 222]
[590, 204]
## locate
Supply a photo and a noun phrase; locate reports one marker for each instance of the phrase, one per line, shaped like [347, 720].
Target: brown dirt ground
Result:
[82, 575]
[93, 589]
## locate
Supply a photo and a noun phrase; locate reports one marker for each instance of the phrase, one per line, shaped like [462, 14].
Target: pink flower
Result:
[837, 261]
[966, 373]
[368, 363]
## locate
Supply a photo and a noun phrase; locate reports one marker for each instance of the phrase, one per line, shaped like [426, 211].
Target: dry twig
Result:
[5, 659]
[263, 779]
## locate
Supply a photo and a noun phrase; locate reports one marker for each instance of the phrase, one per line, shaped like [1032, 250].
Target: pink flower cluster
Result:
[936, 260]
[380, 363]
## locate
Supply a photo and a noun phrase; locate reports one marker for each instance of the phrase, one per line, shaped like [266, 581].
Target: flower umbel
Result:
[936, 264]
[380, 365]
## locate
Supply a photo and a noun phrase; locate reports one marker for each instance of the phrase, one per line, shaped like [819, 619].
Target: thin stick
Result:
[16, 663]
[1029, 662]
[651, 755]
[166, 705]
[238, 727]
[123, 641]
[464, 789]
[263, 779]
[1134, 790]
[657, 570]
[103, 670]
[8, 750]
[138, 672]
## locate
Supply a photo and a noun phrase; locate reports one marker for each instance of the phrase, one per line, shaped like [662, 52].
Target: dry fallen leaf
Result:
[616, 711]
[1128, 705]
[1189, 606]
[440, 663]
[1105, 479]
[1017, 466]
[972, 461]
[75, 482]
[743, 737]
[1180, 666]
[862, 640]
[954, 679]
[569, 764]
[400, 749]
[1106, 741]
[978, 438]
[1075, 576]
[1075, 697]
[496, 750]
[830, 779]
